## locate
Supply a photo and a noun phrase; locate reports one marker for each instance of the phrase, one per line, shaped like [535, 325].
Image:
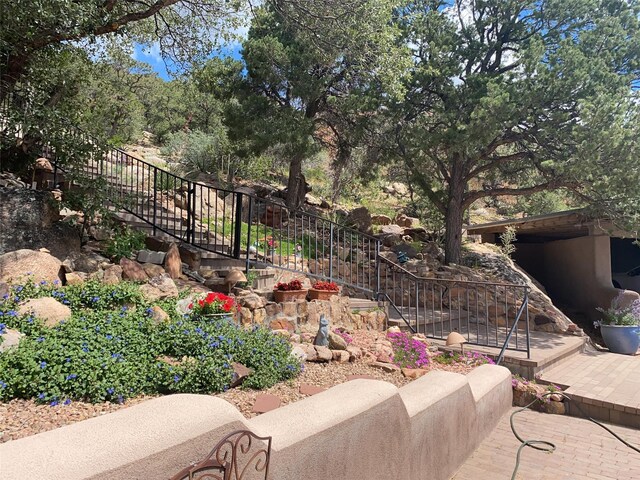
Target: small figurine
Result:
[322, 337]
[402, 258]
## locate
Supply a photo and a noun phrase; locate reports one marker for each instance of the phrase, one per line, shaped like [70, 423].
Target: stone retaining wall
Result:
[361, 429]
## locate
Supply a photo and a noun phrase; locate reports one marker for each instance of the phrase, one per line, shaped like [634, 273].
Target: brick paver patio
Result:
[607, 385]
[583, 451]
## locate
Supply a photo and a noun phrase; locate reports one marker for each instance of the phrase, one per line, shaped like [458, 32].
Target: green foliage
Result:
[531, 106]
[199, 152]
[123, 243]
[508, 237]
[111, 349]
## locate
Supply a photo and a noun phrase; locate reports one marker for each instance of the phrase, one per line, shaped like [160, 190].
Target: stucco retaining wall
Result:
[361, 429]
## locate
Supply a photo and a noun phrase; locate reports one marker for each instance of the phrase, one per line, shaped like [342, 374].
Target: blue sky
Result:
[153, 57]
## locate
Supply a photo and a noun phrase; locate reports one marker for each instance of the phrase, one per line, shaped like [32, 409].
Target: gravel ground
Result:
[21, 418]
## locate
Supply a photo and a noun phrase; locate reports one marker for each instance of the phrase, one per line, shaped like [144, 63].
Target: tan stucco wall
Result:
[358, 430]
[578, 273]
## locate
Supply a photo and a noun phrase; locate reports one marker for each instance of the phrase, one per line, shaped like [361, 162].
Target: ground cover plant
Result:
[111, 348]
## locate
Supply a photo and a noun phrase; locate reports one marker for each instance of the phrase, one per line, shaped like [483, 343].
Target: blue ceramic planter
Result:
[623, 339]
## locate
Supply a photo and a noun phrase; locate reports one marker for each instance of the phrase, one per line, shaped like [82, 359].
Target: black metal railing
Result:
[485, 313]
[263, 232]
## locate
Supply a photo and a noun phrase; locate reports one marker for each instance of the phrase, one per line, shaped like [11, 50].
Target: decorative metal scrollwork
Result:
[235, 457]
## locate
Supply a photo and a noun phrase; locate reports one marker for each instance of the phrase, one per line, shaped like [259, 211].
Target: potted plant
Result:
[620, 326]
[323, 290]
[212, 305]
[289, 292]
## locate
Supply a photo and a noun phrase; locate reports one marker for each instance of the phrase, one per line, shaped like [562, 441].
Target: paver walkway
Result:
[583, 451]
[606, 383]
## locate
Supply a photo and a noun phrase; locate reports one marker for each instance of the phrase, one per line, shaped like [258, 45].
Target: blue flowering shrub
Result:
[111, 349]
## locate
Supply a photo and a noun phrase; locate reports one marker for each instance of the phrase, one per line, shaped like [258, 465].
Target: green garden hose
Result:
[546, 446]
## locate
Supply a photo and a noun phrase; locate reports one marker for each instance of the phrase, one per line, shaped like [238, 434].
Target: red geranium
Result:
[213, 302]
[288, 287]
[328, 286]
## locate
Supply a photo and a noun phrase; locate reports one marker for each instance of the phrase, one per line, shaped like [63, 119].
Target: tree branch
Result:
[474, 195]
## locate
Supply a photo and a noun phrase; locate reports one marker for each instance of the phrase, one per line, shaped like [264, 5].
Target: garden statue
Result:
[322, 337]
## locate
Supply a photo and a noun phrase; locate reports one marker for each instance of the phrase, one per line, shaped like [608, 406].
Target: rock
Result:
[299, 353]
[266, 402]
[158, 288]
[43, 164]
[282, 333]
[153, 270]
[252, 301]
[340, 356]
[10, 338]
[306, 389]
[404, 221]
[172, 262]
[385, 367]
[355, 353]
[4, 289]
[312, 355]
[414, 373]
[132, 270]
[282, 324]
[324, 354]
[390, 240]
[380, 220]
[384, 357]
[38, 266]
[246, 316]
[360, 219]
[101, 234]
[240, 372]
[392, 230]
[190, 255]
[29, 219]
[158, 315]
[406, 248]
[85, 261]
[76, 278]
[112, 275]
[47, 309]
[259, 316]
[313, 201]
[336, 342]
[295, 338]
[148, 256]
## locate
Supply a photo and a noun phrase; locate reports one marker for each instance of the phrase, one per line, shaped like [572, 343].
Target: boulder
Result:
[159, 288]
[112, 275]
[10, 338]
[149, 256]
[380, 219]
[385, 367]
[336, 342]
[172, 262]
[29, 220]
[76, 278]
[299, 353]
[252, 301]
[360, 219]
[4, 290]
[85, 261]
[392, 230]
[240, 373]
[152, 269]
[132, 270]
[158, 315]
[340, 356]
[37, 265]
[46, 308]
[324, 354]
[282, 324]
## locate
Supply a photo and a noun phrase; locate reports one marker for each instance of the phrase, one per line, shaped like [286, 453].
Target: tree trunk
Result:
[295, 184]
[454, 214]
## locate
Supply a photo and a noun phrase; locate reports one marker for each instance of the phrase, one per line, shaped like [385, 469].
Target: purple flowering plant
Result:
[407, 351]
[620, 312]
[344, 334]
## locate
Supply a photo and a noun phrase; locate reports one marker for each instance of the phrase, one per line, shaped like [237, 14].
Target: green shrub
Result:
[110, 349]
[123, 243]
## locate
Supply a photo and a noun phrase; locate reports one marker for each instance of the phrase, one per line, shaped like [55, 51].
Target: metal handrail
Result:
[436, 307]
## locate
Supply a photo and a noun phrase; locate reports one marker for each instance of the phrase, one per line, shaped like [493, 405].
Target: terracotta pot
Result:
[289, 295]
[321, 294]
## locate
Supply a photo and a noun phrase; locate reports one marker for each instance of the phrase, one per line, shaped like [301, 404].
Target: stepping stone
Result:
[306, 389]
[266, 402]
[356, 377]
